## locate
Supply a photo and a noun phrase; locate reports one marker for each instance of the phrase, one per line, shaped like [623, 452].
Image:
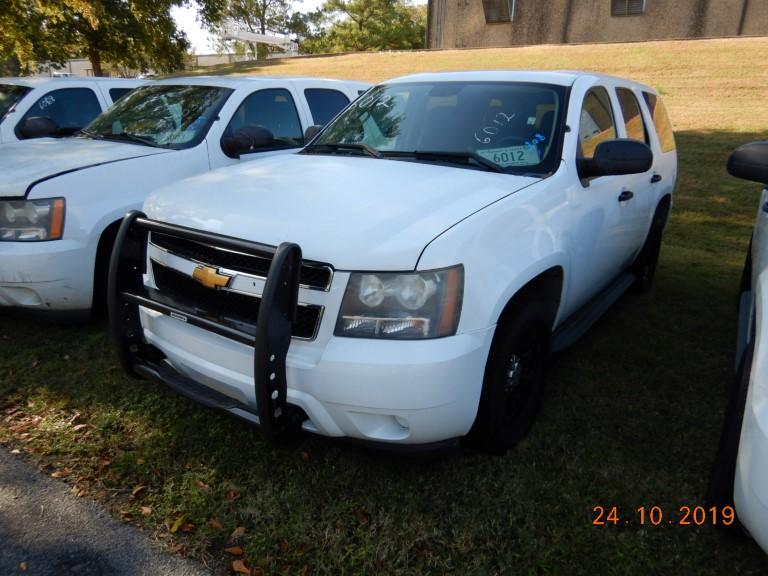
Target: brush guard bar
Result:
[277, 313]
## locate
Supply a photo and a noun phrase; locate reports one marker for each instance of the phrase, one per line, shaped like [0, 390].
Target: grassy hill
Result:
[710, 84]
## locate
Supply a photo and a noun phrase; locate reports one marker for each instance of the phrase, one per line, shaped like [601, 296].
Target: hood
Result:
[354, 213]
[24, 163]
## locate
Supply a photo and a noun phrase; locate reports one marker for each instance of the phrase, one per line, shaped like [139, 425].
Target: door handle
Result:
[656, 178]
[626, 195]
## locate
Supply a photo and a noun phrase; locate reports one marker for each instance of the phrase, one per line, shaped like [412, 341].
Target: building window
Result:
[627, 7]
[499, 11]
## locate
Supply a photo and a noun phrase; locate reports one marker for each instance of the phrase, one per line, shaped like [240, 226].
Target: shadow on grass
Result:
[630, 419]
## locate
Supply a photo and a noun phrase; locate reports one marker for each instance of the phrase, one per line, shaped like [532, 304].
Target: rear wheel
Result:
[644, 267]
[514, 379]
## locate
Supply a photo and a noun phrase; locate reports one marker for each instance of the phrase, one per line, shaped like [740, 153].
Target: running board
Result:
[578, 324]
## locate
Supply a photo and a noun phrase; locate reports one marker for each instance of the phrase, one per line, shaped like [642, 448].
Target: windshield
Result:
[507, 127]
[10, 95]
[165, 116]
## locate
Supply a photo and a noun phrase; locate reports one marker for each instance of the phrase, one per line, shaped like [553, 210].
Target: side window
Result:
[596, 124]
[661, 121]
[70, 108]
[116, 93]
[273, 109]
[325, 104]
[633, 118]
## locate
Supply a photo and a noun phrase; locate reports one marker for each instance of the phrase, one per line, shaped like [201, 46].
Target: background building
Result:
[475, 23]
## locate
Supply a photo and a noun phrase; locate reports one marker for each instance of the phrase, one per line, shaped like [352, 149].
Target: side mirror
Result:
[37, 127]
[245, 140]
[750, 162]
[311, 132]
[616, 158]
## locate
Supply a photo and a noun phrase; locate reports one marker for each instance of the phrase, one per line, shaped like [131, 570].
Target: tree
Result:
[136, 34]
[357, 25]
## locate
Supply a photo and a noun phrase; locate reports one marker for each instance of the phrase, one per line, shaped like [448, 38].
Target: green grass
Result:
[631, 418]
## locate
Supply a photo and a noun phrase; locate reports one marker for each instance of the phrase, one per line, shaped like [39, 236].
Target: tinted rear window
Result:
[661, 121]
[325, 104]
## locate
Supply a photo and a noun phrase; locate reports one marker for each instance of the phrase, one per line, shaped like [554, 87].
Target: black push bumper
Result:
[275, 318]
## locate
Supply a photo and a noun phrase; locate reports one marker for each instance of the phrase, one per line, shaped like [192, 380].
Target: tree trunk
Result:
[95, 57]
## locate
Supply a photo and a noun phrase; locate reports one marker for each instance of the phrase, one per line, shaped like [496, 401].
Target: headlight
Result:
[402, 306]
[31, 220]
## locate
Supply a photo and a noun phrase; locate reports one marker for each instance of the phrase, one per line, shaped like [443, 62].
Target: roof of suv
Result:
[237, 81]
[558, 77]
[41, 81]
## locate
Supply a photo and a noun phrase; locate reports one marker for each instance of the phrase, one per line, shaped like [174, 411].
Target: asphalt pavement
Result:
[45, 530]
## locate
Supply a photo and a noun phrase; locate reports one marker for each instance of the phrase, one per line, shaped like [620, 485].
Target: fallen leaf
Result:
[146, 510]
[239, 532]
[60, 473]
[35, 363]
[215, 524]
[233, 495]
[79, 427]
[240, 567]
[234, 550]
[305, 456]
[23, 566]
[363, 516]
[177, 524]
[202, 485]
[187, 527]
[138, 490]
[16, 451]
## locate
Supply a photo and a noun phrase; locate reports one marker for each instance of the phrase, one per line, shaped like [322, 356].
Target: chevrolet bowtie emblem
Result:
[211, 278]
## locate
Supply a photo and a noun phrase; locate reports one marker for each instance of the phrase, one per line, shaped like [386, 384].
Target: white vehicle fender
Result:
[503, 247]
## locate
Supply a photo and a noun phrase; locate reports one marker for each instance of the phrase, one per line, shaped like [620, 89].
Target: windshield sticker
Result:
[47, 101]
[512, 156]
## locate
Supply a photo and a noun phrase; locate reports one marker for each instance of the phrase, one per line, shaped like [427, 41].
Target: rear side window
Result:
[116, 93]
[633, 119]
[596, 124]
[275, 110]
[661, 121]
[70, 108]
[325, 104]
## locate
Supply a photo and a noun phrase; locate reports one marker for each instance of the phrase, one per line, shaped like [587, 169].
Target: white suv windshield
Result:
[163, 116]
[10, 95]
[502, 126]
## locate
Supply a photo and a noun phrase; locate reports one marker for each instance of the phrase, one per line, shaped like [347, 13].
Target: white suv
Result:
[61, 200]
[404, 278]
[740, 473]
[37, 107]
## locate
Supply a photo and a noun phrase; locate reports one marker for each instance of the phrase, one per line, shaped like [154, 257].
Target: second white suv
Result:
[37, 107]
[404, 278]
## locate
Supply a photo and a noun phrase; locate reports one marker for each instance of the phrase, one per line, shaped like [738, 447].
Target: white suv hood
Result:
[354, 213]
[26, 162]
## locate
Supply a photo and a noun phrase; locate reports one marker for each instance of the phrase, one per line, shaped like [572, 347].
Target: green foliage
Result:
[360, 25]
[136, 34]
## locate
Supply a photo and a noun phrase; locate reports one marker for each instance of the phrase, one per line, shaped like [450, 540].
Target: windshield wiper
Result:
[364, 148]
[92, 135]
[450, 156]
[128, 137]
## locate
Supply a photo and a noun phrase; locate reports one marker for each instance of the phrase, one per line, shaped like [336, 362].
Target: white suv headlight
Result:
[402, 306]
[31, 220]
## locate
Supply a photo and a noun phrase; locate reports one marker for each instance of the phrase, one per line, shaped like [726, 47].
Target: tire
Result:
[723, 473]
[644, 266]
[514, 379]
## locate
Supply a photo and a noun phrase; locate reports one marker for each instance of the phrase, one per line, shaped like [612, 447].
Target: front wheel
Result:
[514, 379]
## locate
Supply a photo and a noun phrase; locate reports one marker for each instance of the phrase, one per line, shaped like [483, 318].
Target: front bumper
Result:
[395, 392]
[46, 276]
